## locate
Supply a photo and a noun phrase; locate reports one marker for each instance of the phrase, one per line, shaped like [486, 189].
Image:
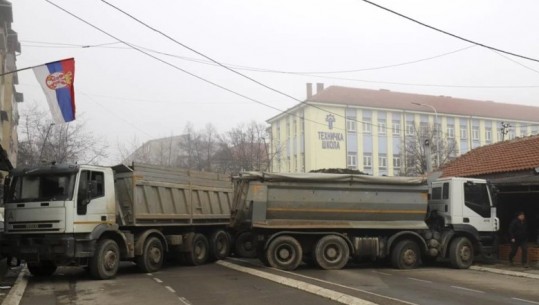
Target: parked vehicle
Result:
[96, 216]
[326, 219]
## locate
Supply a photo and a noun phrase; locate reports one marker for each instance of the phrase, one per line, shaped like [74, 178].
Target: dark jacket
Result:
[518, 230]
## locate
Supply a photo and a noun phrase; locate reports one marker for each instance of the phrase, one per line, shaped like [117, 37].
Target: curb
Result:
[15, 294]
[504, 272]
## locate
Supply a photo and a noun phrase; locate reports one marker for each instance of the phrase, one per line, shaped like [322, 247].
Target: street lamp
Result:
[45, 141]
[436, 130]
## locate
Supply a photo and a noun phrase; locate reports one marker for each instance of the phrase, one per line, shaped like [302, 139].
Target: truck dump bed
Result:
[154, 195]
[315, 201]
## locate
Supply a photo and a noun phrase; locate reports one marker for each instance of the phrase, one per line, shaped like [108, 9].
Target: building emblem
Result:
[330, 119]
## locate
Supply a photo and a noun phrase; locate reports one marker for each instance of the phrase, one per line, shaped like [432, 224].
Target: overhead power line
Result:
[232, 70]
[200, 53]
[249, 68]
[239, 73]
[309, 74]
[450, 34]
[174, 66]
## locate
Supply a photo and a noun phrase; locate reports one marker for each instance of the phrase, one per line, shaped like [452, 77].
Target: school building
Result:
[341, 127]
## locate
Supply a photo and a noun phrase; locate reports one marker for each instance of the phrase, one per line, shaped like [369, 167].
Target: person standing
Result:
[518, 234]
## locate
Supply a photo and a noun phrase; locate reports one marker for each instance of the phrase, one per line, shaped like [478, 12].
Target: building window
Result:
[396, 161]
[523, 131]
[367, 161]
[366, 125]
[511, 135]
[463, 132]
[382, 161]
[381, 126]
[424, 128]
[410, 129]
[351, 125]
[451, 131]
[351, 161]
[488, 134]
[396, 128]
[475, 133]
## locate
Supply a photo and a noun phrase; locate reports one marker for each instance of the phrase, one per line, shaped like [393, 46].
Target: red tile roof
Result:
[443, 104]
[502, 157]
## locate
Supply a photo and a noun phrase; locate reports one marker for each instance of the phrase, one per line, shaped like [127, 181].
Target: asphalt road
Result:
[219, 284]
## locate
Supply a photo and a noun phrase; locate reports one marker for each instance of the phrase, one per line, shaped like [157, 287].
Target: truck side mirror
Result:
[7, 182]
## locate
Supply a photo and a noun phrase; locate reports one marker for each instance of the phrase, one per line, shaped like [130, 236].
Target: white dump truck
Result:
[326, 219]
[97, 216]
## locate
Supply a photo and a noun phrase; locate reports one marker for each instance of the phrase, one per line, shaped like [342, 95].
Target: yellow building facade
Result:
[367, 130]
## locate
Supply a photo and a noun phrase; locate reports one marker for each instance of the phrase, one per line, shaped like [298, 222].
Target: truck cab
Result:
[67, 199]
[464, 201]
[51, 212]
[465, 205]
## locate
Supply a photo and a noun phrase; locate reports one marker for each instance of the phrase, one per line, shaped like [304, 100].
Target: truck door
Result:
[91, 206]
[477, 207]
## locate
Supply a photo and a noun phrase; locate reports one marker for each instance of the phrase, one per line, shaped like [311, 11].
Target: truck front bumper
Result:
[54, 247]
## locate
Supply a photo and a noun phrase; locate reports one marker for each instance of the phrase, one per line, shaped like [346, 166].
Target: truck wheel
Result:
[461, 253]
[199, 252]
[245, 245]
[152, 256]
[405, 255]
[284, 252]
[331, 252]
[219, 245]
[43, 268]
[106, 260]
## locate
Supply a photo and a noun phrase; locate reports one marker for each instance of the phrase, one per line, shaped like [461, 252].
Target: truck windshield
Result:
[47, 187]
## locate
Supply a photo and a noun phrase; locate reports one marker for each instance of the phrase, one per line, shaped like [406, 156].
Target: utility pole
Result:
[504, 129]
[45, 141]
[426, 144]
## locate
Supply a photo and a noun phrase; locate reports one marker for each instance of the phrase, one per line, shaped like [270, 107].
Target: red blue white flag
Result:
[56, 79]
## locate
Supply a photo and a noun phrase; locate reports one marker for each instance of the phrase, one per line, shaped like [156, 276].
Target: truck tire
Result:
[43, 268]
[245, 245]
[405, 255]
[461, 253]
[104, 265]
[331, 252]
[219, 245]
[200, 251]
[152, 256]
[284, 252]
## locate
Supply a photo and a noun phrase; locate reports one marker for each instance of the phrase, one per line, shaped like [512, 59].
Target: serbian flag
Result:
[56, 79]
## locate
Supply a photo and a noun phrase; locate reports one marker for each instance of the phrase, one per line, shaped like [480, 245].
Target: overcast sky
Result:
[122, 94]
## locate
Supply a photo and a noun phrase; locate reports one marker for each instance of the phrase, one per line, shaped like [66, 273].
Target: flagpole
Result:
[28, 68]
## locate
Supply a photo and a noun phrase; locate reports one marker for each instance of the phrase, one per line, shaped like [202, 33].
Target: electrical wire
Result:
[450, 34]
[256, 69]
[215, 84]
[232, 70]
[176, 67]
[311, 74]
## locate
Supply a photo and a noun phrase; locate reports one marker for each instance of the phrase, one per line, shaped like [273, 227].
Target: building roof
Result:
[443, 104]
[502, 157]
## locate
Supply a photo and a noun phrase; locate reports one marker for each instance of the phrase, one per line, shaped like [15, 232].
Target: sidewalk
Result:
[504, 268]
[8, 277]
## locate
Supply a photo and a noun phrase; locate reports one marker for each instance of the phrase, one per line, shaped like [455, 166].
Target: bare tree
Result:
[41, 140]
[244, 148]
[416, 153]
